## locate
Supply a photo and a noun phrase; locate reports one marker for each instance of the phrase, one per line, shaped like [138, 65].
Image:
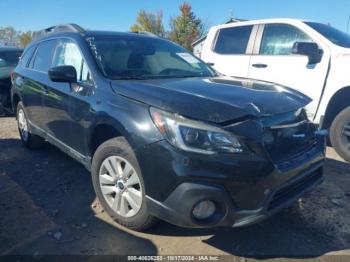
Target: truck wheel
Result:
[340, 134]
[28, 139]
[119, 186]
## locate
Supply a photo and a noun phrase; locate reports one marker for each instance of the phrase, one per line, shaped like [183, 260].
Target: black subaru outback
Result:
[163, 135]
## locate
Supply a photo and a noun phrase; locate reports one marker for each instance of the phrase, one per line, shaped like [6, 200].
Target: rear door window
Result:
[278, 39]
[233, 40]
[27, 55]
[43, 56]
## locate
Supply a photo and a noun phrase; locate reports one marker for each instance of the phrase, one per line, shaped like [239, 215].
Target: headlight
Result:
[194, 136]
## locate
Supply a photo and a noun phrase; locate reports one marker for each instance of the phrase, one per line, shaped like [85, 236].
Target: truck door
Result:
[229, 49]
[273, 61]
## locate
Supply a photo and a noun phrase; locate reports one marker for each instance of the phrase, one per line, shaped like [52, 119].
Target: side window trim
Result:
[249, 44]
[258, 39]
[252, 40]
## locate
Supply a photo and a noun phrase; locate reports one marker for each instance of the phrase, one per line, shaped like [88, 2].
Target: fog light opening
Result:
[204, 210]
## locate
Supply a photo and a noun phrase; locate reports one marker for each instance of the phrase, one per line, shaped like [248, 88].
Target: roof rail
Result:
[59, 28]
[145, 33]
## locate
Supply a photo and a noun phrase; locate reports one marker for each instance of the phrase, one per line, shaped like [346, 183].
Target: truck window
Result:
[278, 39]
[233, 40]
[332, 34]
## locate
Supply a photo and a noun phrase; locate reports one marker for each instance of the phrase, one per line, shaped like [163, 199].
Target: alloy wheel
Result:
[22, 124]
[121, 186]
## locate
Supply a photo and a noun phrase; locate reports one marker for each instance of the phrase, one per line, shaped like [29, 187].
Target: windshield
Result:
[9, 58]
[334, 35]
[128, 57]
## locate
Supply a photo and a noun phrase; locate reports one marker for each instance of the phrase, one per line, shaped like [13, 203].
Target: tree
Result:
[8, 36]
[186, 28]
[149, 22]
[25, 38]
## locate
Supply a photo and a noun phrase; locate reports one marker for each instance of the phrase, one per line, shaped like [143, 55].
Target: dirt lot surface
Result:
[47, 206]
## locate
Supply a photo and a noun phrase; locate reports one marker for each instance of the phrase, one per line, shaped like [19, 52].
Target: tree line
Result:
[184, 28]
[11, 37]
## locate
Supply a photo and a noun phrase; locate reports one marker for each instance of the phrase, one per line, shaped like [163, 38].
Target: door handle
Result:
[210, 64]
[259, 65]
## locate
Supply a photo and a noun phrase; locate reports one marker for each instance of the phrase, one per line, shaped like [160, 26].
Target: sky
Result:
[119, 15]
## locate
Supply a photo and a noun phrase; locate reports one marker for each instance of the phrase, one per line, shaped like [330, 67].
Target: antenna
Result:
[231, 14]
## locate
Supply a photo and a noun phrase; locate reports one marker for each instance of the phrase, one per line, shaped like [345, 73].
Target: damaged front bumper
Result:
[245, 189]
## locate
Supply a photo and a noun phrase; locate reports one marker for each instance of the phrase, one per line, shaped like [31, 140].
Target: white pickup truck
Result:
[311, 57]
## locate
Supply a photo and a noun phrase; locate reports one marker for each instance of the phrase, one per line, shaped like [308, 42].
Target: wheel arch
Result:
[337, 103]
[101, 132]
[15, 100]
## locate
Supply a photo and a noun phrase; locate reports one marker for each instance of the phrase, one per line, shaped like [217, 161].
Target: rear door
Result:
[230, 50]
[33, 82]
[274, 61]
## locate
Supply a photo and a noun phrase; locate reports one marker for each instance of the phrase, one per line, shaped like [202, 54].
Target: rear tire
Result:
[28, 139]
[119, 186]
[340, 134]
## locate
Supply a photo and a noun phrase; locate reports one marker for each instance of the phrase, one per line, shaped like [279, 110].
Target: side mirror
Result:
[64, 73]
[311, 50]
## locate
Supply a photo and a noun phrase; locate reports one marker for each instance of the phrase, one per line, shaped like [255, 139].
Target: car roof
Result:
[113, 33]
[92, 33]
[75, 31]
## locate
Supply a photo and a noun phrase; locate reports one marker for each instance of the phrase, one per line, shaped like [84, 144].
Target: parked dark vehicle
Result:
[162, 134]
[9, 57]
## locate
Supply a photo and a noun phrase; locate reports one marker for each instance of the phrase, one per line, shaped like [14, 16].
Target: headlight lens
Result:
[194, 136]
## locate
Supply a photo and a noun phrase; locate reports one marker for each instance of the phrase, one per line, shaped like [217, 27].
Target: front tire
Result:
[119, 186]
[340, 134]
[28, 139]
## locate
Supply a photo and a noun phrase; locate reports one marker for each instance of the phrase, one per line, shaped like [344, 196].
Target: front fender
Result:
[129, 118]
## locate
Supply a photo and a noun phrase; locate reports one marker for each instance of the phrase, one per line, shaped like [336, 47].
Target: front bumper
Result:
[245, 189]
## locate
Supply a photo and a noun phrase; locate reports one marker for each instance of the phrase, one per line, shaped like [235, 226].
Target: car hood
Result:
[217, 99]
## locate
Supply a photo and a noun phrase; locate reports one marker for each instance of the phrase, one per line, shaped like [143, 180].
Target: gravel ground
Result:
[47, 206]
